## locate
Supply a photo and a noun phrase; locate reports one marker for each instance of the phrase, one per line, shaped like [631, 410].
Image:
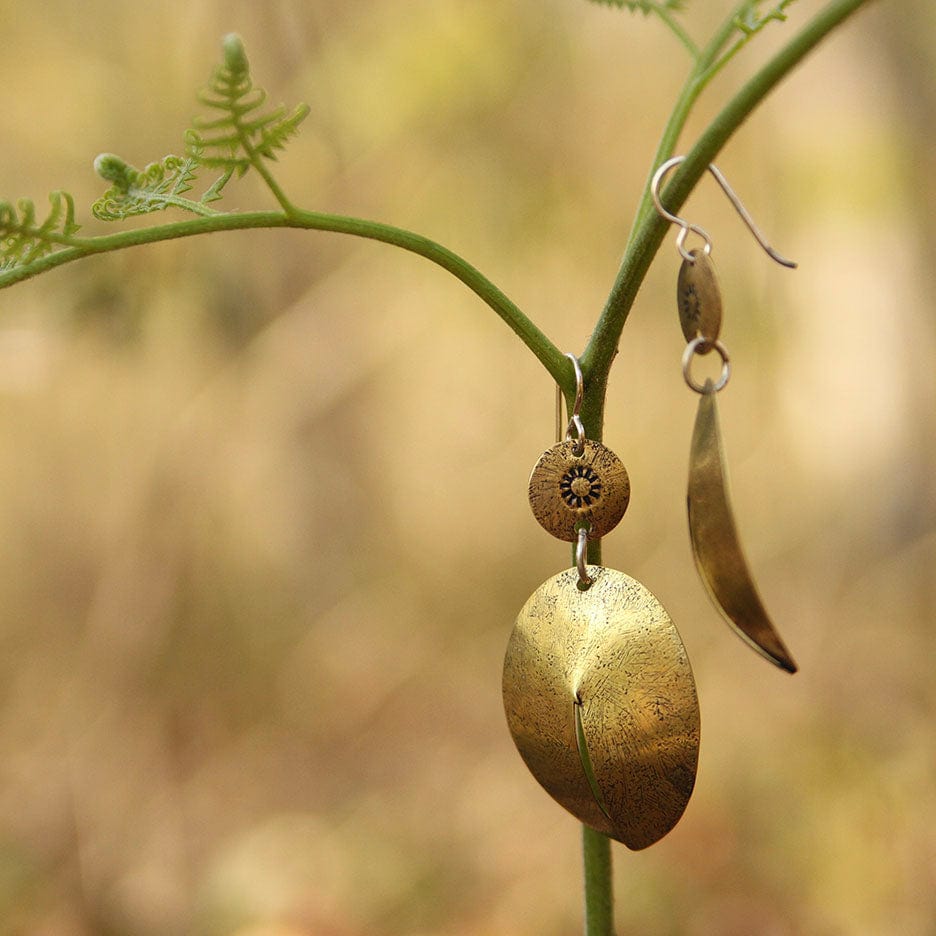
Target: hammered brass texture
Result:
[699, 300]
[568, 491]
[609, 662]
[715, 541]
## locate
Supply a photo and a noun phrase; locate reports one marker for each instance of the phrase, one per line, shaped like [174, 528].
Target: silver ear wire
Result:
[686, 227]
[575, 432]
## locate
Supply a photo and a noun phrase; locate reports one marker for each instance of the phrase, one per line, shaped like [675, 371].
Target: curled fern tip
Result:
[235, 56]
[159, 185]
[112, 168]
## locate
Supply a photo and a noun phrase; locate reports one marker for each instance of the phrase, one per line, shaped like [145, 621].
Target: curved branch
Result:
[547, 353]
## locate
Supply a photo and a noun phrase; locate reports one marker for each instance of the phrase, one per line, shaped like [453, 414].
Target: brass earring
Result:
[598, 690]
[712, 530]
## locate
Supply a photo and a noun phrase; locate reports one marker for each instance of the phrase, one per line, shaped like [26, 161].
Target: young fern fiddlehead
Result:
[241, 139]
[160, 185]
[234, 142]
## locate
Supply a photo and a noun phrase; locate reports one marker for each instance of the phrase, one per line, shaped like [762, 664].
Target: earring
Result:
[712, 530]
[598, 690]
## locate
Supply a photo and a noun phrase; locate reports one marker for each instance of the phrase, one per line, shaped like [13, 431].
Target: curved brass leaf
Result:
[602, 706]
[715, 541]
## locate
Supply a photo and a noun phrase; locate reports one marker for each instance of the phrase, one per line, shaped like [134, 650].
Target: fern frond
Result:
[22, 241]
[239, 138]
[158, 186]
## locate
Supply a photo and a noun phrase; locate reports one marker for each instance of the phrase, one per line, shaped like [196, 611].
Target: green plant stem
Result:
[706, 65]
[186, 204]
[650, 229]
[596, 847]
[257, 161]
[599, 892]
[595, 371]
[546, 352]
[75, 248]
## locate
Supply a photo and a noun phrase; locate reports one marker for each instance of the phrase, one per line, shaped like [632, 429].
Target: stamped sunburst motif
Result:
[580, 486]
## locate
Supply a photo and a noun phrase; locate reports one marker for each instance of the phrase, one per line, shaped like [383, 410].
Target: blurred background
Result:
[263, 519]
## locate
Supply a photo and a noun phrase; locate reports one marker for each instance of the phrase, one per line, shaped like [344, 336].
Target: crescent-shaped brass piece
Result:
[715, 541]
[602, 705]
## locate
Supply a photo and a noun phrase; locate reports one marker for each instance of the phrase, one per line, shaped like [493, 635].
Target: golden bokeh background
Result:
[263, 520]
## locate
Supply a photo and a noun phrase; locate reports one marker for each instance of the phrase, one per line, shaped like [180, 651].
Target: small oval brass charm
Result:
[569, 490]
[602, 705]
[699, 299]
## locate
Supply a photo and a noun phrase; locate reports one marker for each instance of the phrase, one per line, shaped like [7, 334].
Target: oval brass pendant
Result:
[568, 491]
[602, 705]
[699, 299]
[715, 542]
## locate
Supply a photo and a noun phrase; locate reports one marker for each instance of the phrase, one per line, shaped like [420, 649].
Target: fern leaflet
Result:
[22, 241]
[238, 139]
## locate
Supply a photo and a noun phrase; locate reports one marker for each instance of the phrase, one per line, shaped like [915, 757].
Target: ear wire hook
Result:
[686, 227]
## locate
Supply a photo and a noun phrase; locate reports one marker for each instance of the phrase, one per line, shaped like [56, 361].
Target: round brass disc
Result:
[568, 491]
[602, 705]
[699, 299]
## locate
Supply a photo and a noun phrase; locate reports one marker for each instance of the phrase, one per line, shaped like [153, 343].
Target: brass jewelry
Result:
[598, 690]
[569, 491]
[698, 297]
[685, 227]
[601, 702]
[578, 484]
[715, 542]
[712, 530]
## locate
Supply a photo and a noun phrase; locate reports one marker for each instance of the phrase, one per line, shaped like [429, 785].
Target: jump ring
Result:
[701, 345]
[576, 433]
[681, 241]
[581, 548]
